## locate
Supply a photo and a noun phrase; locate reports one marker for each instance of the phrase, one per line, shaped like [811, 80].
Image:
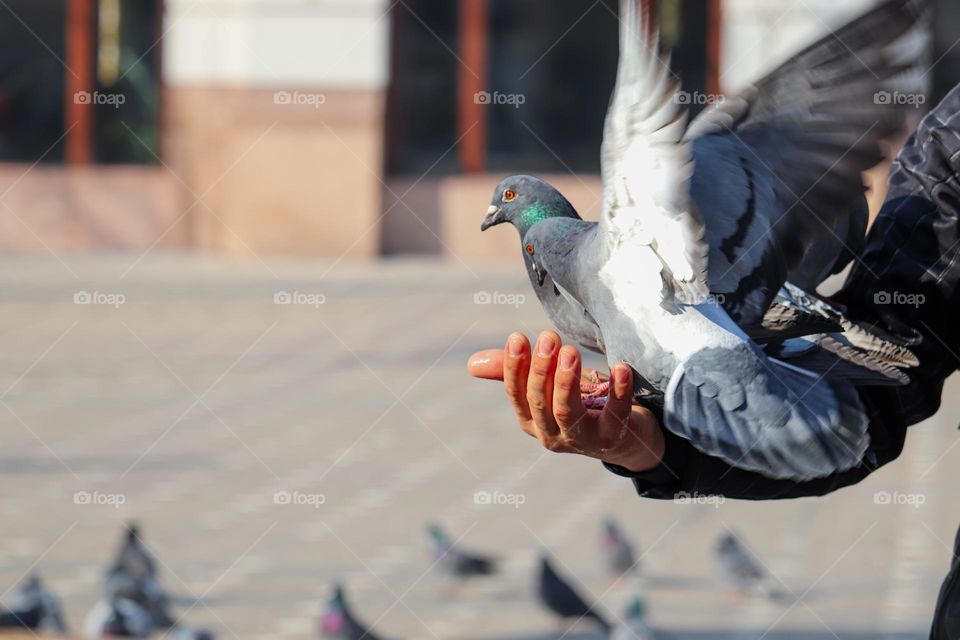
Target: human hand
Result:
[544, 389]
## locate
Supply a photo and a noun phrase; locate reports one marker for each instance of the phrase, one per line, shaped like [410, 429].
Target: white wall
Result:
[760, 34]
[334, 44]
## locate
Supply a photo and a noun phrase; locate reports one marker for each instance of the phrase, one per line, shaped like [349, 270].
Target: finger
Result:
[487, 364]
[616, 412]
[540, 384]
[516, 368]
[568, 406]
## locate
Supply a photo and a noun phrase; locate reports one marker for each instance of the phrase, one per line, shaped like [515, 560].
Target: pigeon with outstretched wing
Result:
[702, 226]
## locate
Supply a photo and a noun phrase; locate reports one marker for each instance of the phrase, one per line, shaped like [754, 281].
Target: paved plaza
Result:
[275, 427]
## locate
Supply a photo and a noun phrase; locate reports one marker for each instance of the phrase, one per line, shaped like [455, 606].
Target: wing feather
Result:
[646, 164]
[802, 137]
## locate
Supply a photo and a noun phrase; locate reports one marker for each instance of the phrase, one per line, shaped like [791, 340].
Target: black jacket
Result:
[905, 283]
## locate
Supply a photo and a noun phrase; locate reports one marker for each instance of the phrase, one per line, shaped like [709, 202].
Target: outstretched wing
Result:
[645, 162]
[778, 167]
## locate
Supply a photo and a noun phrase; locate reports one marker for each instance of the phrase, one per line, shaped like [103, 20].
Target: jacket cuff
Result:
[662, 482]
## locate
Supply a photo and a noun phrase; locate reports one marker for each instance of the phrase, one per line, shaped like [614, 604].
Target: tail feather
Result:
[764, 415]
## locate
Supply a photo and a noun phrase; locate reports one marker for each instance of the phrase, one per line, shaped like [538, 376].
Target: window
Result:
[80, 75]
[549, 68]
[32, 80]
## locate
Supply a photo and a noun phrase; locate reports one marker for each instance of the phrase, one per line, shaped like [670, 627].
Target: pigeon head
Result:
[337, 599]
[437, 535]
[133, 532]
[524, 201]
[548, 241]
[610, 527]
[637, 609]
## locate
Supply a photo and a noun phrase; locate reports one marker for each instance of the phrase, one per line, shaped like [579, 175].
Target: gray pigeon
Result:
[569, 319]
[133, 558]
[699, 215]
[458, 563]
[740, 569]
[32, 606]
[635, 623]
[617, 550]
[561, 598]
[339, 623]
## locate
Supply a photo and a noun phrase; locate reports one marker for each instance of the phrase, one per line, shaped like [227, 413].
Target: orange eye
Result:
[530, 249]
[509, 195]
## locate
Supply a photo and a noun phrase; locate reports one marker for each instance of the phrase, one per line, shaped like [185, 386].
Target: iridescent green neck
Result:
[540, 211]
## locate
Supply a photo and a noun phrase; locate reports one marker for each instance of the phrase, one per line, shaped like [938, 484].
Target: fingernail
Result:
[546, 345]
[515, 346]
[567, 359]
[479, 361]
[621, 374]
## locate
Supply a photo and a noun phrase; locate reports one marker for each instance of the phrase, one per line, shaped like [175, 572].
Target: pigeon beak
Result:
[493, 218]
[541, 274]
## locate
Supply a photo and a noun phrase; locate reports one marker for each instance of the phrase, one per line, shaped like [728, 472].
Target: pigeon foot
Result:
[594, 394]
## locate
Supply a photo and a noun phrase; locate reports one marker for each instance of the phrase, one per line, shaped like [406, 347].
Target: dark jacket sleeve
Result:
[905, 284]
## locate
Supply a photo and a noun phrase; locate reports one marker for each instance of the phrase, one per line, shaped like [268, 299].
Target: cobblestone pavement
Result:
[270, 448]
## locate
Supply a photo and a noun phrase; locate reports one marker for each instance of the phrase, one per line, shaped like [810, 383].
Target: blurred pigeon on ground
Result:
[145, 592]
[560, 598]
[740, 568]
[702, 226]
[618, 550]
[133, 558]
[338, 621]
[32, 606]
[635, 623]
[118, 618]
[456, 562]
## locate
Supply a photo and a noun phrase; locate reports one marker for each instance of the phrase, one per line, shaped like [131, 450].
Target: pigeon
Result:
[458, 563]
[739, 568]
[634, 625]
[118, 618]
[702, 226]
[33, 607]
[338, 622]
[561, 599]
[618, 550]
[570, 319]
[133, 558]
[145, 593]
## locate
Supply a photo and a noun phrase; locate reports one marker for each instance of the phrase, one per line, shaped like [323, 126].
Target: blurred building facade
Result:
[340, 128]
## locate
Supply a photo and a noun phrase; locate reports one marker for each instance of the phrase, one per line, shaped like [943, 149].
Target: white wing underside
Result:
[647, 164]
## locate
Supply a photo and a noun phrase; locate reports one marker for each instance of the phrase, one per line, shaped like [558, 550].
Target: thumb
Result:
[620, 399]
[486, 364]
